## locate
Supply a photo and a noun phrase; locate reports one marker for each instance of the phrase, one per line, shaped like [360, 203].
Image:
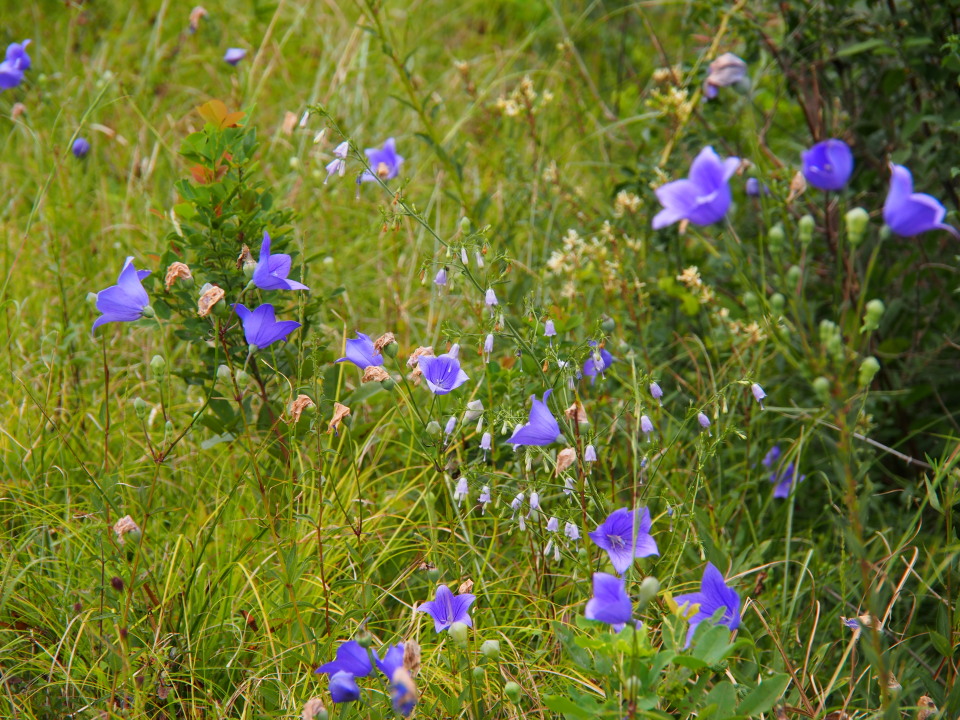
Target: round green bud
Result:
[491, 649]
[885, 232]
[248, 268]
[223, 373]
[868, 370]
[148, 312]
[873, 313]
[390, 350]
[168, 431]
[364, 639]
[776, 237]
[608, 325]
[92, 298]
[806, 227]
[434, 429]
[649, 589]
[777, 302]
[465, 226]
[158, 366]
[322, 714]
[140, 407]
[856, 221]
[794, 277]
[242, 377]
[458, 633]
[478, 673]
[750, 302]
[821, 387]
[388, 384]
[512, 691]
[582, 553]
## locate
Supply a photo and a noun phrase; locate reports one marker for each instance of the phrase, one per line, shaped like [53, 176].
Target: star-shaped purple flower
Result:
[360, 352]
[261, 327]
[626, 535]
[14, 65]
[442, 373]
[541, 428]
[384, 161]
[828, 164]
[392, 659]
[610, 602]
[908, 213]
[702, 198]
[448, 608]
[272, 270]
[599, 360]
[127, 300]
[351, 658]
[714, 595]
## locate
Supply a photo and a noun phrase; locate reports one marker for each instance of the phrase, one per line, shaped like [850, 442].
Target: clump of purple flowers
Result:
[14, 65]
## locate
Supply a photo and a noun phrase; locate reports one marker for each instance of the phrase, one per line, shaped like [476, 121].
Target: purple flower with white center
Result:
[571, 530]
[484, 498]
[80, 148]
[339, 163]
[600, 359]
[461, 490]
[448, 608]
[234, 55]
[384, 161]
[828, 164]
[549, 330]
[553, 525]
[908, 213]
[392, 660]
[541, 428]
[703, 198]
[443, 373]
[272, 270]
[14, 64]
[127, 300]
[490, 298]
[450, 426]
[488, 346]
[350, 658]
[343, 688]
[714, 595]
[646, 425]
[758, 394]
[784, 481]
[590, 454]
[626, 535]
[610, 603]
[261, 327]
[360, 352]
[656, 392]
[440, 279]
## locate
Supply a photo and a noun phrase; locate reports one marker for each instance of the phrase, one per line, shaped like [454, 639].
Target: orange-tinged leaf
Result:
[216, 113]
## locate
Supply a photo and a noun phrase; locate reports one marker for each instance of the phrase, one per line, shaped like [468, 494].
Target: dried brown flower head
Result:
[210, 297]
[177, 270]
[289, 123]
[381, 342]
[465, 587]
[565, 458]
[411, 657]
[298, 406]
[576, 412]
[196, 15]
[340, 411]
[374, 373]
[124, 526]
[312, 708]
[415, 356]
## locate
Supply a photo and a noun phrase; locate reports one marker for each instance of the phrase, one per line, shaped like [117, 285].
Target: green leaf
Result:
[720, 702]
[567, 707]
[763, 697]
[713, 645]
[863, 46]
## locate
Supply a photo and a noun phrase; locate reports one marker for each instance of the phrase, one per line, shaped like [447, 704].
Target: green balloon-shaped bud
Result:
[868, 370]
[856, 221]
[512, 691]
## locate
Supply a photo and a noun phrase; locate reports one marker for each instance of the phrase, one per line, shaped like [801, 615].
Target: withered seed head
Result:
[211, 296]
[177, 270]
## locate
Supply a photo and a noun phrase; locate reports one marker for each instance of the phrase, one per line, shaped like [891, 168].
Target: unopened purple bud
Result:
[454, 351]
[590, 454]
[81, 148]
[571, 531]
[491, 298]
[656, 392]
[703, 420]
[485, 442]
[440, 280]
[450, 426]
[553, 525]
[549, 330]
[758, 393]
[534, 500]
[234, 55]
[488, 344]
[646, 425]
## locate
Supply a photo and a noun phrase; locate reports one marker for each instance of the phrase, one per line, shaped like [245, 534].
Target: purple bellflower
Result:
[908, 213]
[440, 280]
[443, 372]
[590, 454]
[714, 594]
[350, 658]
[343, 688]
[549, 329]
[261, 327]
[656, 392]
[610, 603]
[571, 530]
[127, 300]
[234, 55]
[770, 459]
[361, 353]
[828, 164]
[754, 189]
[339, 163]
[272, 270]
[392, 660]
[541, 428]
[785, 480]
[646, 425]
[702, 198]
[448, 608]
[703, 420]
[600, 359]
[490, 298]
[758, 394]
[14, 65]
[81, 148]
[384, 161]
[626, 535]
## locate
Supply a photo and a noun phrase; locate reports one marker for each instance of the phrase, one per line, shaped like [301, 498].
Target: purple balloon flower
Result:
[702, 198]
[14, 65]
[784, 481]
[442, 373]
[626, 535]
[596, 365]
[828, 164]
[272, 270]
[127, 300]
[81, 148]
[714, 595]
[234, 55]
[908, 213]
[361, 353]
[610, 602]
[343, 688]
[351, 658]
[384, 161]
[541, 429]
[448, 608]
[261, 327]
[392, 659]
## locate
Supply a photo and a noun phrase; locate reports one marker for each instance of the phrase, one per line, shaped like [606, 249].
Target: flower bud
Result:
[857, 221]
[148, 312]
[313, 709]
[776, 237]
[390, 350]
[458, 632]
[608, 325]
[777, 302]
[140, 407]
[116, 583]
[805, 228]
[364, 639]
[243, 378]
[872, 315]
[491, 649]
[821, 387]
[433, 429]
[512, 691]
[465, 226]
[648, 591]
[794, 277]
[168, 431]
[388, 384]
[158, 366]
[750, 302]
[223, 373]
[478, 673]
[868, 370]
[92, 298]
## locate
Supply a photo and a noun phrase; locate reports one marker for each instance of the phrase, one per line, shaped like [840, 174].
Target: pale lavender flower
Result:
[448, 608]
[486, 443]
[440, 279]
[703, 420]
[339, 163]
[600, 359]
[461, 491]
[646, 425]
[474, 410]
[571, 530]
[534, 502]
[714, 594]
[488, 346]
[541, 428]
[656, 392]
[272, 270]
[567, 485]
[384, 161]
[553, 525]
[464, 258]
[590, 454]
[626, 535]
[758, 394]
[908, 213]
[703, 198]
[516, 503]
[491, 298]
[549, 330]
[522, 523]
[234, 55]
[610, 603]
[828, 164]
[442, 373]
[450, 426]
[478, 256]
[484, 498]
[726, 70]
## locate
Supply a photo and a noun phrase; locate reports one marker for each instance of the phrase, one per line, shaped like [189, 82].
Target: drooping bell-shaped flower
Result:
[490, 298]
[758, 394]
[440, 279]
[908, 213]
[549, 330]
[234, 55]
[600, 359]
[726, 70]
[541, 428]
[339, 163]
[703, 198]
[656, 392]
[646, 425]
[343, 687]
[590, 454]
[828, 165]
